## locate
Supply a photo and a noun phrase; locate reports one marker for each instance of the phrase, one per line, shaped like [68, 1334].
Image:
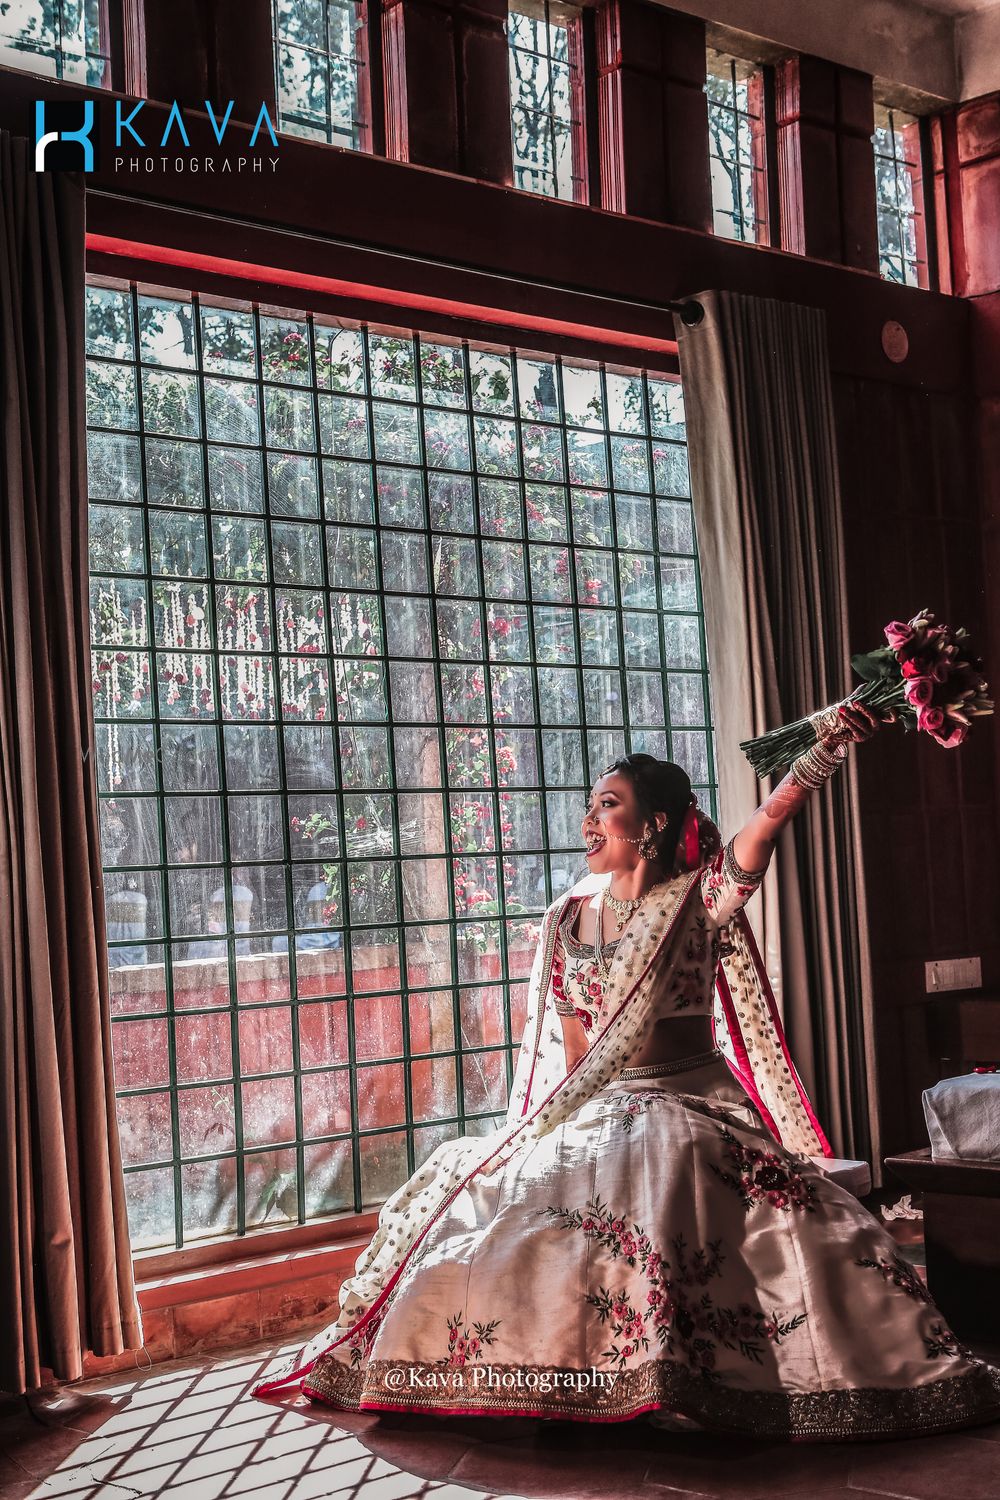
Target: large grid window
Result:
[737, 147]
[902, 236]
[546, 99]
[370, 611]
[57, 39]
[321, 61]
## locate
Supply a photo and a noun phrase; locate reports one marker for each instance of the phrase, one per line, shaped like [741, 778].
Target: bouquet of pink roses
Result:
[928, 676]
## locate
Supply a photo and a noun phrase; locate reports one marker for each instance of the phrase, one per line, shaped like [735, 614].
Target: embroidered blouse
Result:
[575, 980]
[723, 888]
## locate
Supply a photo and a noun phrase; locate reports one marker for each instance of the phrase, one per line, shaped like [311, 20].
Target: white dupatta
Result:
[543, 1094]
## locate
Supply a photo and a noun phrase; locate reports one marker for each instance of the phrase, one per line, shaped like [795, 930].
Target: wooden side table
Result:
[961, 1236]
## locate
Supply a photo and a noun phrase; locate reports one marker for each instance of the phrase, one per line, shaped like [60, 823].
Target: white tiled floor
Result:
[194, 1433]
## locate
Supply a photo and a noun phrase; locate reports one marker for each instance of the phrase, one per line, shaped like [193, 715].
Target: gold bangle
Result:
[817, 764]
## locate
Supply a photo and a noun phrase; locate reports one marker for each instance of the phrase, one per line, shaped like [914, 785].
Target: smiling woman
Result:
[624, 837]
[605, 1222]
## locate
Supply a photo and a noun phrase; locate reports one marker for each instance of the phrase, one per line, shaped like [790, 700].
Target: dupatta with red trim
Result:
[543, 1094]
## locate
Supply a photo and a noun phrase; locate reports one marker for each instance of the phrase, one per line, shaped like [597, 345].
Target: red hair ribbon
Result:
[689, 835]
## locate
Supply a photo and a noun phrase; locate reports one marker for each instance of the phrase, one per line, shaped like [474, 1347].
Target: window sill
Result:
[208, 1255]
[279, 1284]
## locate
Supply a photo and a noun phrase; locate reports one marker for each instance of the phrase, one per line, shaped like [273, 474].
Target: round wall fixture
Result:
[895, 341]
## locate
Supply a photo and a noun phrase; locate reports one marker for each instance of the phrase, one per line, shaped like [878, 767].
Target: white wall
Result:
[978, 38]
[899, 40]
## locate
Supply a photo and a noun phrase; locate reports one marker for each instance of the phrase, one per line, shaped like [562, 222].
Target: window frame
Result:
[367, 63]
[920, 173]
[204, 1251]
[762, 120]
[578, 53]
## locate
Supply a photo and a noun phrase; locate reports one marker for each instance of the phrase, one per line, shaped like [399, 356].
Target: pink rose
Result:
[930, 719]
[955, 738]
[897, 634]
[919, 691]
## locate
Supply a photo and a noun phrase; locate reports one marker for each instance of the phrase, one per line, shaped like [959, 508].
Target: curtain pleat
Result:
[766, 496]
[65, 1268]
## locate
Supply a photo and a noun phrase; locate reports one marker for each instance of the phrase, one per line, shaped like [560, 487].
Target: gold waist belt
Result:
[683, 1065]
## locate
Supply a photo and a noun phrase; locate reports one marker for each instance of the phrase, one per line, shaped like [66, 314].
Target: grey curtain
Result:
[768, 518]
[65, 1268]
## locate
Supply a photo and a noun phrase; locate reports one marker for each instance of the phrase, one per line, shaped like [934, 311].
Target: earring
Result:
[647, 848]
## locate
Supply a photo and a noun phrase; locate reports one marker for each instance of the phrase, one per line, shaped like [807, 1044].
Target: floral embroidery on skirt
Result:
[608, 1270]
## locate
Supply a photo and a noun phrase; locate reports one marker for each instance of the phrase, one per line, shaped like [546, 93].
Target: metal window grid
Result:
[156, 443]
[546, 98]
[325, 44]
[76, 47]
[899, 199]
[737, 185]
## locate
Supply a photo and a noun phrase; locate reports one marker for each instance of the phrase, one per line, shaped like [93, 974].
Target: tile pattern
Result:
[191, 1432]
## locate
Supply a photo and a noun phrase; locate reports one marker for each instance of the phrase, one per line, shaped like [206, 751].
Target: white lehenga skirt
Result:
[658, 1251]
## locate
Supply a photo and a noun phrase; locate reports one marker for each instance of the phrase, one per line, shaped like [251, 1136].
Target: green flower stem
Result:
[781, 746]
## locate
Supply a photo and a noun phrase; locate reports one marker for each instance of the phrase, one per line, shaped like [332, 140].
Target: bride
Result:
[646, 1232]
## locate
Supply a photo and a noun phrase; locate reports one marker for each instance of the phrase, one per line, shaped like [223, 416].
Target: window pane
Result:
[321, 70]
[902, 239]
[737, 156]
[545, 97]
[61, 39]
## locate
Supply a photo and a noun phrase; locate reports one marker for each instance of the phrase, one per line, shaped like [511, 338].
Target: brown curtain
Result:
[65, 1269]
[767, 512]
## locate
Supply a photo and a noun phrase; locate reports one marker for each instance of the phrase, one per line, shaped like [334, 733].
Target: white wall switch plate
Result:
[953, 974]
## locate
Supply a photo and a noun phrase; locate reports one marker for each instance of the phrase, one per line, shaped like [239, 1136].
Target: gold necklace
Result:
[622, 909]
[603, 968]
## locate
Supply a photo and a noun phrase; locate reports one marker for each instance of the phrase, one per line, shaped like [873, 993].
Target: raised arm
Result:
[848, 721]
